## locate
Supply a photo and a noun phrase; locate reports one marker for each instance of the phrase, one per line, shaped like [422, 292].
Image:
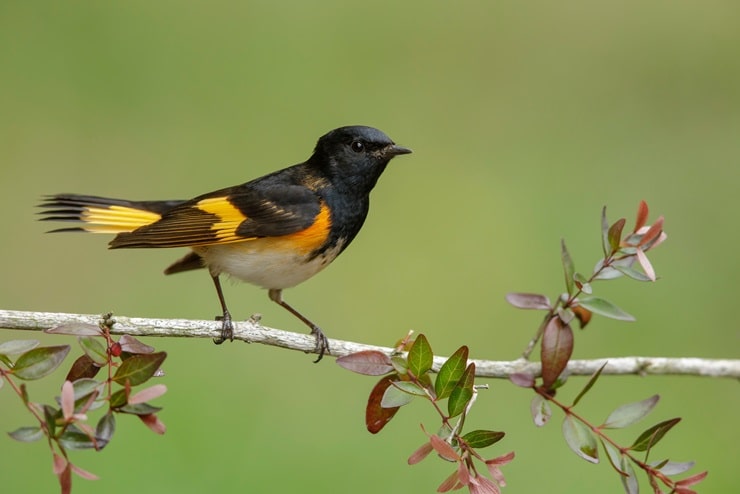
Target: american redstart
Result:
[275, 231]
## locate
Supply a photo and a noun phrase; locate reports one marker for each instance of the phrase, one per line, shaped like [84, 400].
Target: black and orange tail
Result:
[102, 214]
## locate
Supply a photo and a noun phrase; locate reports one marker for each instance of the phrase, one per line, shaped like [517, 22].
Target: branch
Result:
[252, 331]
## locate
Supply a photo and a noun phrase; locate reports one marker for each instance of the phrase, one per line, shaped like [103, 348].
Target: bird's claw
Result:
[227, 328]
[322, 343]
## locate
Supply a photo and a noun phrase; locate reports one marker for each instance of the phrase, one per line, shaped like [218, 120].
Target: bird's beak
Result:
[395, 150]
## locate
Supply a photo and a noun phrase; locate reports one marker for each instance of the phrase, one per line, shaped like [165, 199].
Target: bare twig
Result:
[253, 332]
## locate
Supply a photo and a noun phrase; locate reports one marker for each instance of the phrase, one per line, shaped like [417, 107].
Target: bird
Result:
[275, 231]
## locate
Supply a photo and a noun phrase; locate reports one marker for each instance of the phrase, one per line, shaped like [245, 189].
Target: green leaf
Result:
[85, 387]
[451, 372]
[105, 429]
[420, 357]
[400, 365]
[94, 349]
[27, 434]
[580, 439]
[614, 456]
[628, 414]
[50, 416]
[528, 301]
[604, 308]
[651, 436]
[592, 380]
[482, 438]
[376, 416]
[541, 412]
[631, 272]
[557, 347]
[73, 438]
[568, 267]
[410, 388]
[462, 392]
[39, 362]
[137, 369]
[629, 481]
[118, 399]
[615, 234]
[140, 409]
[394, 397]
[14, 347]
[604, 232]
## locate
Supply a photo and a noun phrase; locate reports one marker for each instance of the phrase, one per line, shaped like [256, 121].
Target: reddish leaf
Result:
[153, 422]
[642, 214]
[367, 362]
[68, 400]
[652, 233]
[83, 367]
[443, 448]
[76, 329]
[132, 345]
[693, 480]
[528, 301]
[645, 265]
[375, 415]
[83, 473]
[557, 347]
[59, 463]
[582, 314]
[522, 380]
[450, 483]
[147, 394]
[420, 453]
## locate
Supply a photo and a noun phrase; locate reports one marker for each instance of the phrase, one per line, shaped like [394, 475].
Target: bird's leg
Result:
[227, 327]
[322, 342]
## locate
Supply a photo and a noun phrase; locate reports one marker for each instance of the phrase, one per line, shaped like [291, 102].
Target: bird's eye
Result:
[357, 146]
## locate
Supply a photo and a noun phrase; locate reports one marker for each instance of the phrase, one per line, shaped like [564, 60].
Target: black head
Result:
[355, 155]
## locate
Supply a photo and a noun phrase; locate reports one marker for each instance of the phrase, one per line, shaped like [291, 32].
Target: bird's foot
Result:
[227, 328]
[322, 343]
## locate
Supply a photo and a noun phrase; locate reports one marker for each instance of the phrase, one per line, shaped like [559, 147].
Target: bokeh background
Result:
[525, 119]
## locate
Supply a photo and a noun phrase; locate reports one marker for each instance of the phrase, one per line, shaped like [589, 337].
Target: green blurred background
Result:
[525, 119]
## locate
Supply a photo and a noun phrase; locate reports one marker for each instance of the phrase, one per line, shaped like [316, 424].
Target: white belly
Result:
[262, 264]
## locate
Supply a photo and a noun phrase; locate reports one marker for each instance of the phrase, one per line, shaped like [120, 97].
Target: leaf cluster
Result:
[65, 424]
[408, 377]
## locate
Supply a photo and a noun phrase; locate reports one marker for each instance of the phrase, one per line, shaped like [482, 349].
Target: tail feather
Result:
[102, 214]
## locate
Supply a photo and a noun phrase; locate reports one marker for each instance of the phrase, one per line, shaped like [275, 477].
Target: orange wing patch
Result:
[116, 219]
[229, 218]
[313, 237]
